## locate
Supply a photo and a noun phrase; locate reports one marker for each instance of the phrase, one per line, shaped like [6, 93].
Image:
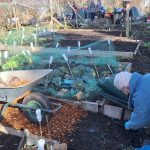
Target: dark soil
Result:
[94, 132]
[141, 61]
[8, 142]
[124, 46]
[141, 32]
[98, 132]
[87, 37]
[74, 43]
[115, 33]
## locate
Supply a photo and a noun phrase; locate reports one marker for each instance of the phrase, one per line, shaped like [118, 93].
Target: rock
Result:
[79, 96]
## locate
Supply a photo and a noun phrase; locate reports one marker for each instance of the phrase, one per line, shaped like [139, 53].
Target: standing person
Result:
[137, 86]
[86, 13]
[74, 11]
[92, 9]
[99, 5]
[102, 12]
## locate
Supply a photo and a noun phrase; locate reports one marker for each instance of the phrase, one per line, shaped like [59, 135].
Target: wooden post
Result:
[77, 14]
[127, 24]
[127, 19]
[17, 19]
[15, 16]
[28, 14]
[51, 11]
[64, 19]
[130, 23]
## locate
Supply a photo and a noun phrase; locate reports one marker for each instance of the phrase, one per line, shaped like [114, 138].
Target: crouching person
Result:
[137, 86]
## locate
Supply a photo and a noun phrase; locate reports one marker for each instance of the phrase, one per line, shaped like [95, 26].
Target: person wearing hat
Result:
[137, 86]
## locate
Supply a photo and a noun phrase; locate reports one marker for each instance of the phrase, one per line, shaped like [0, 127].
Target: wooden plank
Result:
[8, 130]
[22, 142]
[19, 133]
[77, 52]
[137, 48]
[28, 138]
[129, 67]
[112, 111]
[70, 102]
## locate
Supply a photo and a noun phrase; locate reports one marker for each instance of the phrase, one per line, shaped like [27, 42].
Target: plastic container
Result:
[148, 20]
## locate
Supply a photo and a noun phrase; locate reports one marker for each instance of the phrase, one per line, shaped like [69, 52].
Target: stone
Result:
[79, 96]
[90, 106]
[112, 111]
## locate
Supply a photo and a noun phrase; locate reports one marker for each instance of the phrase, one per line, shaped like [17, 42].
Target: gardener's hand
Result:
[126, 125]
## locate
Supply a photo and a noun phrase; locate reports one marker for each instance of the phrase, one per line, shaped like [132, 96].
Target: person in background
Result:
[125, 3]
[74, 11]
[137, 86]
[92, 9]
[99, 5]
[102, 12]
[86, 13]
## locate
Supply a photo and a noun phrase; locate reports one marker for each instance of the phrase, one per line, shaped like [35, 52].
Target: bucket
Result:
[148, 20]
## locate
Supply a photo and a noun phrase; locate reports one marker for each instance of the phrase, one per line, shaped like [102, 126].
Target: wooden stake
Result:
[127, 21]
[14, 12]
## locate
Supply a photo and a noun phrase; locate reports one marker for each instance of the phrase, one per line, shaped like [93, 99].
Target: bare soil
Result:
[98, 132]
[9, 142]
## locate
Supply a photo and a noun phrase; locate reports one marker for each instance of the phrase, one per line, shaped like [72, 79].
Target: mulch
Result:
[61, 124]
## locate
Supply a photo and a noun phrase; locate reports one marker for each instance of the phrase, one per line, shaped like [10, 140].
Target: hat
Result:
[122, 80]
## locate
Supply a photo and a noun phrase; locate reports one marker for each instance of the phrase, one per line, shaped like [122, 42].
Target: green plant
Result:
[17, 62]
[147, 45]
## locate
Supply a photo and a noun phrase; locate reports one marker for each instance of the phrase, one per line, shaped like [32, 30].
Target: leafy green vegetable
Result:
[17, 62]
[147, 44]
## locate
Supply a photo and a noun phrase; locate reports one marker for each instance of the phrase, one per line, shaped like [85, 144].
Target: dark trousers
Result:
[101, 15]
[74, 16]
[92, 16]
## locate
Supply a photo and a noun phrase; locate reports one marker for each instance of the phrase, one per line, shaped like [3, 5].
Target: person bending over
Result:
[137, 86]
